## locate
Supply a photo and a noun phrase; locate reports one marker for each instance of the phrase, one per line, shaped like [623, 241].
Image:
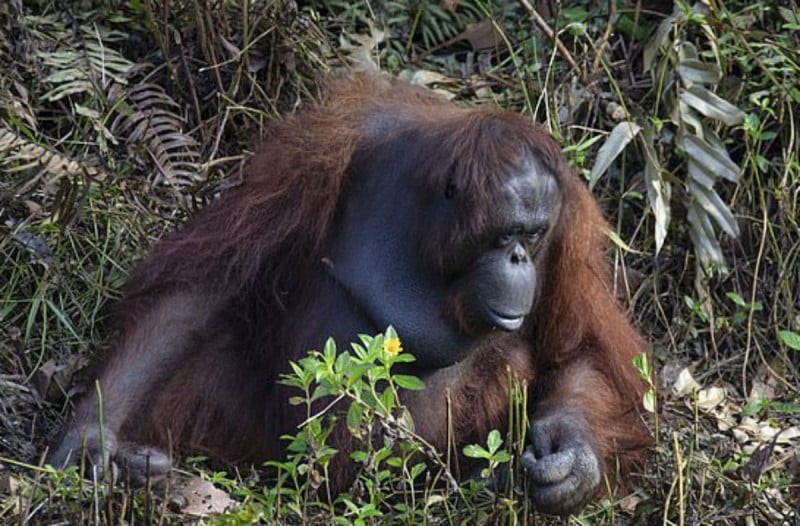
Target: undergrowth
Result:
[117, 121]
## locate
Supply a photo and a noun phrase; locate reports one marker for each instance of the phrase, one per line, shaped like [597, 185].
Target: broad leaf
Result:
[659, 40]
[412, 383]
[711, 158]
[699, 72]
[710, 201]
[658, 193]
[790, 339]
[712, 105]
[703, 236]
[699, 175]
[619, 137]
[354, 418]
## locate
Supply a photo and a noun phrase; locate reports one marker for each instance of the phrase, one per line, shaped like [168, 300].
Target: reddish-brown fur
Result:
[248, 262]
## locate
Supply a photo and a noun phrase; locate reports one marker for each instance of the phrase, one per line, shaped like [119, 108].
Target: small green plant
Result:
[355, 393]
[645, 368]
[739, 301]
[389, 458]
[492, 454]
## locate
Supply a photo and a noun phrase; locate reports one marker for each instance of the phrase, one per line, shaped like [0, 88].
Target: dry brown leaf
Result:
[52, 380]
[427, 78]
[755, 431]
[480, 36]
[34, 208]
[200, 498]
[628, 504]
[725, 415]
[710, 398]
[790, 435]
[685, 384]
[765, 385]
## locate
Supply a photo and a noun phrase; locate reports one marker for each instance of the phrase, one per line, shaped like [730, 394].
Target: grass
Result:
[72, 227]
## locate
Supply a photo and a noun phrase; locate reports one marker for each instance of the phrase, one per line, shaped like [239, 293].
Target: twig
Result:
[612, 10]
[549, 33]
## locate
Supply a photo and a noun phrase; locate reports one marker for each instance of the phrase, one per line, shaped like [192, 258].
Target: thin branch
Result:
[612, 11]
[549, 33]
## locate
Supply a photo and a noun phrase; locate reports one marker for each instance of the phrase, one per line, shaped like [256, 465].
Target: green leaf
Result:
[736, 298]
[789, 15]
[342, 362]
[614, 237]
[355, 373]
[649, 401]
[713, 206]
[298, 371]
[412, 383]
[753, 408]
[711, 157]
[660, 39]
[404, 357]
[407, 419]
[574, 14]
[394, 462]
[637, 28]
[658, 191]
[476, 451]
[354, 418]
[501, 457]
[298, 442]
[619, 137]
[712, 105]
[696, 71]
[376, 373]
[494, 441]
[790, 339]
[350, 505]
[381, 454]
[330, 351]
[642, 364]
[365, 339]
[786, 408]
[360, 350]
[387, 399]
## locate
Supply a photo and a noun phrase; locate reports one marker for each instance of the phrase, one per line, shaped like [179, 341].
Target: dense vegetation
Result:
[118, 119]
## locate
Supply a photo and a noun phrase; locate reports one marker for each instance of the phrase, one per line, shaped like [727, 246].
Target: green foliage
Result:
[790, 339]
[397, 473]
[686, 79]
[645, 369]
[492, 453]
[362, 382]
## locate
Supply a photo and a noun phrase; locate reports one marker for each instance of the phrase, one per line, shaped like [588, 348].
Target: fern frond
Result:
[18, 153]
[88, 70]
[147, 118]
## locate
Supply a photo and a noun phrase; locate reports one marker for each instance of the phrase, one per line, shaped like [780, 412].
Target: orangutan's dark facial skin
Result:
[376, 259]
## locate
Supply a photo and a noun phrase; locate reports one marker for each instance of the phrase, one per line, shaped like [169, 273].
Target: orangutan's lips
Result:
[507, 322]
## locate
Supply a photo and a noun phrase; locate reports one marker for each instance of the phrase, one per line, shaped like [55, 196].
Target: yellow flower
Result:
[392, 346]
